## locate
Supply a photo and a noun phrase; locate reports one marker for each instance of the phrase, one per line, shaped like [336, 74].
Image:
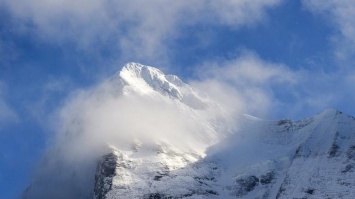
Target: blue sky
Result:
[290, 59]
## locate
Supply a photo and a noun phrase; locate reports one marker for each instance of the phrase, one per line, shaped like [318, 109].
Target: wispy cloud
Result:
[7, 114]
[251, 85]
[136, 29]
[246, 84]
[94, 117]
[341, 14]
[335, 88]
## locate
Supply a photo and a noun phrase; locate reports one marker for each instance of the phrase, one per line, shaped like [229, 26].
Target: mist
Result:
[94, 119]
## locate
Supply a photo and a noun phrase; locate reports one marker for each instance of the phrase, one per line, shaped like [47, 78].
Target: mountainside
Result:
[192, 148]
[312, 158]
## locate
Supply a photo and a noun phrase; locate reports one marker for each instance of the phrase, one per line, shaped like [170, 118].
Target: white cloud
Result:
[7, 114]
[336, 87]
[95, 117]
[246, 84]
[240, 12]
[342, 15]
[52, 94]
[102, 115]
[251, 85]
[138, 28]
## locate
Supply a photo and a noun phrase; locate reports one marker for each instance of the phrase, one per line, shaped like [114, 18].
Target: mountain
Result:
[170, 141]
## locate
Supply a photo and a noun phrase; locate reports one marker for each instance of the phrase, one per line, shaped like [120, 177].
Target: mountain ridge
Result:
[200, 157]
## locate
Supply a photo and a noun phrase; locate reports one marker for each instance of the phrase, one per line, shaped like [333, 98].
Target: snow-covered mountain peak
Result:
[167, 141]
[139, 71]
[330, 114]
[148, 80]
[144, 79]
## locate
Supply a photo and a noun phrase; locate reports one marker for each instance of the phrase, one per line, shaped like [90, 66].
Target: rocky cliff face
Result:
[164, 174]
[106, 170]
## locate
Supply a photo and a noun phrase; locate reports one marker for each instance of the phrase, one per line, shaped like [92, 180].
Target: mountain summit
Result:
[147, 80]
[144, 134]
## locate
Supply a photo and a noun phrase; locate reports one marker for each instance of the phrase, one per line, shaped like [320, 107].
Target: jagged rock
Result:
[351, 152]
[106, 170]
[333, 151]
[310, 191]
[156, 196]
[267, 178]
[246, 184]
[348, 168]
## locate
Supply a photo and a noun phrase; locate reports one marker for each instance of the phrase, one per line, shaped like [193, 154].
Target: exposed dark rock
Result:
[212, 192]
[302, 151]
[106, 170]
[283, 122]
[282, 188]
[267, 178]
[160, 174]
[348, 168]
[246, 184]
[333, 151]
[280, 191]
[310, 191]
[206, 178]
[157, 177]
[156, 196]
[298, 152]
[351, 152]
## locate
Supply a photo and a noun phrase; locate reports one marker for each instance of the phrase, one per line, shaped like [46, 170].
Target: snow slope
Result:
[310, 158]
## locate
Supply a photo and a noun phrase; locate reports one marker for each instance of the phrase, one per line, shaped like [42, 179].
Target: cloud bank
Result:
[136, 29]
[92, 119]
[99, 117]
